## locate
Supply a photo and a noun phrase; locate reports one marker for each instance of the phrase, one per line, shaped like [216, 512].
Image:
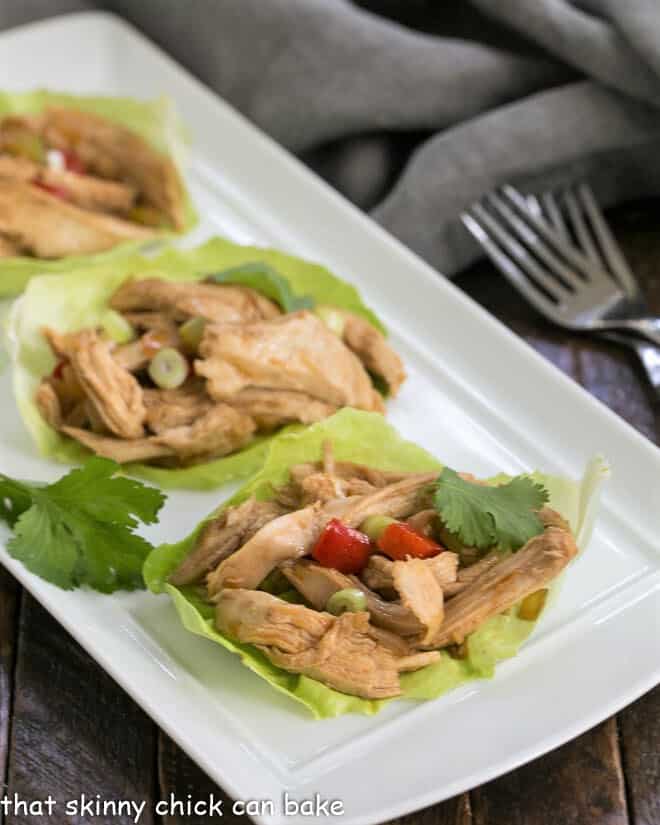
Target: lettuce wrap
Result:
[155, 121]
[367, 438]
[79, 298]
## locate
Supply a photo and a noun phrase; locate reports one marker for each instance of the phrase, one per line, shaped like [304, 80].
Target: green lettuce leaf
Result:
[367, 438]
[154, 120]
[47, 301]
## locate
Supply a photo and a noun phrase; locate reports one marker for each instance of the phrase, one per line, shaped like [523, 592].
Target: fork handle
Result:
[648, 328]
[649, 357]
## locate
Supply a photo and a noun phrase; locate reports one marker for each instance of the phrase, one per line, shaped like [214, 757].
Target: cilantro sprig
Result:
[482, 516]
[261, 276]
[79, 530]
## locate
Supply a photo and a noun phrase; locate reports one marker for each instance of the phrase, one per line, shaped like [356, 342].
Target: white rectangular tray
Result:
[477, 397]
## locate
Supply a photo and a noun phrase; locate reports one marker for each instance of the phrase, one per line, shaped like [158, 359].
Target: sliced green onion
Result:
[168, 369]
[349, 600]
[375, 526]
[333, 318]
[191, 333]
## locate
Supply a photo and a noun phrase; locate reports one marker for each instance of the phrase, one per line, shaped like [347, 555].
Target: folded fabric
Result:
[583, 102]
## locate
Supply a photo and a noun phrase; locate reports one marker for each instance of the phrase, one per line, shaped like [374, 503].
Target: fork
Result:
[609, 257]
[598, 246]
[562, 281]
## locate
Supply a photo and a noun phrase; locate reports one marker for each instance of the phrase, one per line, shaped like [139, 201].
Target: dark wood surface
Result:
[67, 729]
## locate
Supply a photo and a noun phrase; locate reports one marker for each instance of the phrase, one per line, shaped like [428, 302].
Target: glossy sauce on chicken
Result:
[211, 367]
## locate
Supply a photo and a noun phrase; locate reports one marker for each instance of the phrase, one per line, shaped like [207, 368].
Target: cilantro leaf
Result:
[266, 280]
[15, 499]
[483, 516]
[79, 530]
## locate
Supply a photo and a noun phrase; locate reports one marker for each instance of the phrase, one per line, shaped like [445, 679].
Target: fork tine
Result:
[486, 230]
[534, 205]
[555, 216]
[535, 242]
[609, 246]
[579, 226]
[549, 233]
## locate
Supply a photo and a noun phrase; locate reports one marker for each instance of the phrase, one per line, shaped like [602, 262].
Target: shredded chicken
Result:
[397, 500]
[88, 192]
[49, 404]
[421, 593]
[424, 522]
[272, 408]
[295, 352]
[373, 350]
[344, 652]
[17, 168]
[219, 431]
[505, 583]
[147, 321]
[379, 572]
[84, 191]
[49, 227]
[110, 150]
[284, 539]
[167, 409]
[466, 575]
[259, 618]
[122, 450]
[220, 303]
[325, 487]
[317, 584]
[293, 535]
[222, 536]
[8, 248]
[116, 394]
[349, 471]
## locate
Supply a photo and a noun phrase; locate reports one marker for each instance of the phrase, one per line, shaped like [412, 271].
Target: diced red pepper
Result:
[72, 162]
[399, 541]
[57, 191]
[342, 547]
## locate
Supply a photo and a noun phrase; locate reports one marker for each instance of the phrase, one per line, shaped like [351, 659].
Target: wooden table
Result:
[67, 729]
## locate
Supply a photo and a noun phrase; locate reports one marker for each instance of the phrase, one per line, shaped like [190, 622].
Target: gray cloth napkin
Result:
[581, 102]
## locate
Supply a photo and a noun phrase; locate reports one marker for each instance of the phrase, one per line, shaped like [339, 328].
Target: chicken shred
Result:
[372, 349]
[317, 584]
[295, 352]
[222, 536]
[121, 450]
[167, 409]
[420, 593]
[116, 394]
[379, 572]
[110, 150]
[286, 538]
[504, 584]
[271, 408]
[344, 652]
[49, 227]
[219, 303]
[219, 431]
